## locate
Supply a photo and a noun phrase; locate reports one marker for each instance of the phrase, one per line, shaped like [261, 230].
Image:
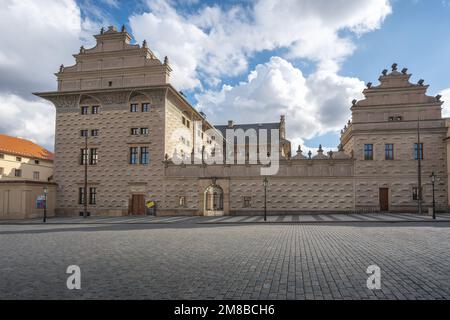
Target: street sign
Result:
[40, 202]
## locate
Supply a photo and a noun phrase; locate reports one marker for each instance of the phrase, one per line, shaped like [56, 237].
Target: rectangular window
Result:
[418, 151]
[134, 131]
[17, 172]
[182, 201]
[94, 132]
[144, 155]
[145, 107]
[368, 152]
[389, 151]
[134, 151]
[2, 156]
[36, 175]
[134, 107]
[94, 157]
[1, 171]
[415, 193]
[95, 109]
[92, 195]
[36, 161]
[183, 120]
[144, 131]
[84, 133]
[84, 156]
[19, 159]
[84, 110]
[247, 202]
[188, 123]
[81, 195]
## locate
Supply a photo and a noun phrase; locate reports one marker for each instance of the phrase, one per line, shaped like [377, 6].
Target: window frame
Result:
[36, 175]
[93, 195]
[84, 133]
[84, 156]
[146, 153]
[418, 149]
[93, 156]
[17, 173]
[95, 109]
[134, 107]
[368, 151]
[389, 151]
[145, 107]
[144, 131]
[80, 195]
[182, 201]
[84, 110]
[94, 134]
[134, 156]
[247, 201]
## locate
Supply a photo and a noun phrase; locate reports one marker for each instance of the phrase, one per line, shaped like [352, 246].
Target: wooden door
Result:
[137, 204]
[384, 199]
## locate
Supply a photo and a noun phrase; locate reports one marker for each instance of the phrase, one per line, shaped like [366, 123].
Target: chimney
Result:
[283, 127]
[230, 124]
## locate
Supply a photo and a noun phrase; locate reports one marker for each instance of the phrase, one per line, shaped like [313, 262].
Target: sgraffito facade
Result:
[117, 111]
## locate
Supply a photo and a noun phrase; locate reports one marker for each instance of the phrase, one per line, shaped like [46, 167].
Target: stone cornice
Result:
[398, 105]
[95, 74]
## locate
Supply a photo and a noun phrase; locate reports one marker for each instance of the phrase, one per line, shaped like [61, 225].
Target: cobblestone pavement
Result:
[299, 218]
[188, 260]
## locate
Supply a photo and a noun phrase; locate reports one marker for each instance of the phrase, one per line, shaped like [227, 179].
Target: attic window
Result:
[391, 118]
[110, 83]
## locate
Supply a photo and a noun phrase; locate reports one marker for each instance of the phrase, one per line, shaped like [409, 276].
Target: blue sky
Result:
[250, 61]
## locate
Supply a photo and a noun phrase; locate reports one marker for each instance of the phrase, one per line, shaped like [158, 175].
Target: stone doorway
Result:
[137, 205]
[384, 199]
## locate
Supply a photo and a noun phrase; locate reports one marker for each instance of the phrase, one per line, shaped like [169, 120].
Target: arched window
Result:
[214, 198]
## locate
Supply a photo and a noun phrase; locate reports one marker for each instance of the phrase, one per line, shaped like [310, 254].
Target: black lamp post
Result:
[433, 180]
[45, 203]
[265, 184]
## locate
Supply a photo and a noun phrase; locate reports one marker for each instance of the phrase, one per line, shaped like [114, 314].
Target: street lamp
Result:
[433, 180]
[45, 203]
[265, 184]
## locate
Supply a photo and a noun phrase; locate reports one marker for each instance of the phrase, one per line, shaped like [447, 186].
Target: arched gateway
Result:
[213, 201]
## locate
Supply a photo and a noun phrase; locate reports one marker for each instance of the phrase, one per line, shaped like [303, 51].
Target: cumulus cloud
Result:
[39, 36]
[446, 106]
[313, 105]
[32, 120]
[215, 42]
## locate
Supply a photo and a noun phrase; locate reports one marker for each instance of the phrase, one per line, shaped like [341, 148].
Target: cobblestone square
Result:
[188, 260]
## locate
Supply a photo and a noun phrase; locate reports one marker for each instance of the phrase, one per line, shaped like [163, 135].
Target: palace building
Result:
[118, 114]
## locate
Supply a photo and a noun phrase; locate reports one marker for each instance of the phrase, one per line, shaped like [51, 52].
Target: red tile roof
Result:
[25, 148]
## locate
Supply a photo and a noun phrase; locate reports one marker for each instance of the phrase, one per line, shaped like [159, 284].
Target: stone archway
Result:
[213, 201]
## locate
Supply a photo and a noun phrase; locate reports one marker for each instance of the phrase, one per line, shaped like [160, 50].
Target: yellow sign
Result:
[150, 204]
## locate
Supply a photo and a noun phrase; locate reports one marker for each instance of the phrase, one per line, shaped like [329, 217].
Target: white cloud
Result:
[446, 106]
[32, 120]
[313, 105]
[217, 42]
[37, 37]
